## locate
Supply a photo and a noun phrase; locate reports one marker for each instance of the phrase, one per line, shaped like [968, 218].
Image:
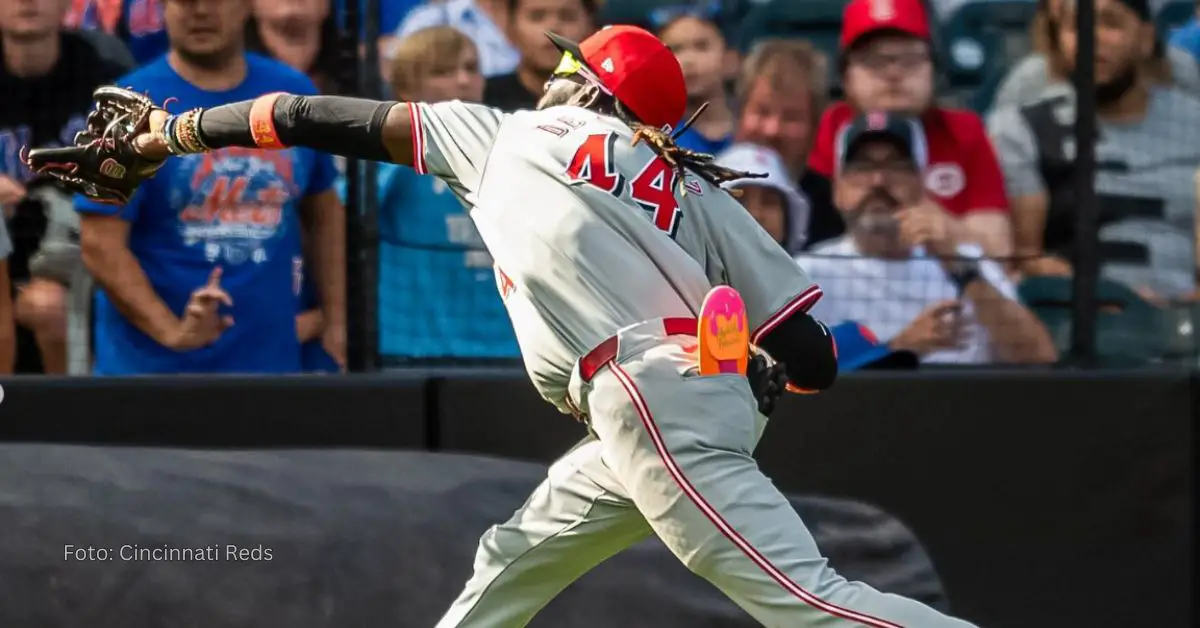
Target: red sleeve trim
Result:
[802, 302]
[418, 137]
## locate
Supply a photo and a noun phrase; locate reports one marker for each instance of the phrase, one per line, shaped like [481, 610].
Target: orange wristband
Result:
[262, 122]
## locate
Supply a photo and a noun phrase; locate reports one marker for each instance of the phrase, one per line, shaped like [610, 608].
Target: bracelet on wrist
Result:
[182, 133]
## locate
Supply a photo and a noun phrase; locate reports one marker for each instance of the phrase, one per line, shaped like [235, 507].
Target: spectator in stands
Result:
[697, 37]
[1028, 79]
[97, 21]
[1147, 154]
[310, 321]
[773, 200]
[437, 292]
[8, 332]
[780, 94]
[54, 268]
[301, 33]
[902, 270]
[528, 22]
[484, 21]
[887, 65]
[198, 271]
[139, 23]
[47, 78]
[304, 35]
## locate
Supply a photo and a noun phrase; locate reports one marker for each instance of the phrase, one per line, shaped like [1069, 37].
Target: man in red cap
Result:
[887, 65]
[608, 241]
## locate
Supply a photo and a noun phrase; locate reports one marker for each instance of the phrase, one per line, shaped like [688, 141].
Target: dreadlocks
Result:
[679, 158]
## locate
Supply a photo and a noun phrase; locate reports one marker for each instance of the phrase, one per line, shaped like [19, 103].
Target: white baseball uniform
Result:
[592, 239]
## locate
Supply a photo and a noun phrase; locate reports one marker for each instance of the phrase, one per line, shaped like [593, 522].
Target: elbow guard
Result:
[806, 348]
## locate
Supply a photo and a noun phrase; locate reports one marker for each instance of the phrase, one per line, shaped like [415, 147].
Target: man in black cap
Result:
[900, 270]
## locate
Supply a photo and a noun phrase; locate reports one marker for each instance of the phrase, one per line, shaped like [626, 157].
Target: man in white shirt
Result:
[899, 270]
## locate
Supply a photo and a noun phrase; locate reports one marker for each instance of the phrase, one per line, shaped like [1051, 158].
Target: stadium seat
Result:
[818, 21]
[981, 39]
[1129, 330]
[1172, 15]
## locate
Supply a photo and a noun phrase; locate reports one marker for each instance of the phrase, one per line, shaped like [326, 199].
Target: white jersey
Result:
[591, 234]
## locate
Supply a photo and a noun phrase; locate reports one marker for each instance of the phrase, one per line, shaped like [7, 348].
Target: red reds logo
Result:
[882, 10]
[946, 180]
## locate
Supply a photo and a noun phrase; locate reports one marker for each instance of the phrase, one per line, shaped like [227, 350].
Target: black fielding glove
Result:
[102, 163]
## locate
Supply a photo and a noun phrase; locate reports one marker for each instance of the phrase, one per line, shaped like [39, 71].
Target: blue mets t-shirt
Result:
[237, 208]
[437, 289]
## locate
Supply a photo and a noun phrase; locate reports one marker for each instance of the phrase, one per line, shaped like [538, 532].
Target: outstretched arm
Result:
[351, 127]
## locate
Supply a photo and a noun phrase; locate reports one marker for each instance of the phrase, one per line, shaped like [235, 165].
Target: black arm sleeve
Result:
[352, 127]
[805, 347]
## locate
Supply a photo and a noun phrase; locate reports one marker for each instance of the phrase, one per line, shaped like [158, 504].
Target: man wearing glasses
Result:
[887, 65]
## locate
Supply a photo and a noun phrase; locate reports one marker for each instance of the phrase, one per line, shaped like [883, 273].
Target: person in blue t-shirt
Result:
[437, 289]
[217, 230]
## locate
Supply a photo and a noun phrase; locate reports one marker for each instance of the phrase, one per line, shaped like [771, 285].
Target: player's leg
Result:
[681, 446]
[576, 519]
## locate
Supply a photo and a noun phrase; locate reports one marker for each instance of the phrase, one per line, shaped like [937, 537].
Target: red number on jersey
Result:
[593, 162]
[653, 188]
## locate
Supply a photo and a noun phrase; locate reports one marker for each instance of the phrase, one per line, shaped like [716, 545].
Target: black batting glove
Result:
[767, 381]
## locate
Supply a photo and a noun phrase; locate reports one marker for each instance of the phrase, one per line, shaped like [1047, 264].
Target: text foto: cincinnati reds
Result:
[167, 553]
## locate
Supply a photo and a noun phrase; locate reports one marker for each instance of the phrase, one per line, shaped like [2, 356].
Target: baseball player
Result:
[608, 240]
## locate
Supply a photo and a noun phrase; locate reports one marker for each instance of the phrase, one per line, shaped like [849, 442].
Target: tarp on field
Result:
[333, 538]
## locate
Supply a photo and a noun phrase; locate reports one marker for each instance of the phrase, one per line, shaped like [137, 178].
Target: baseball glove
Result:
[102, 164]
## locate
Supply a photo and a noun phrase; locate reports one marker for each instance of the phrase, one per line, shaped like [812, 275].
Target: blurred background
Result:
[1035, 434]
[1111, 213]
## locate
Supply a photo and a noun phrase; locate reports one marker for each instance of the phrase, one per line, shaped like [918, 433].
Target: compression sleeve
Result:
[806, 348]
[352, 127]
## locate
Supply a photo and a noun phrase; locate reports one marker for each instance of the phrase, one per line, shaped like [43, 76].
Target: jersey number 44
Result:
[652, 188]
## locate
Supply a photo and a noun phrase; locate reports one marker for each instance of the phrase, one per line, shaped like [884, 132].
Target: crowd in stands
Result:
[919, 159]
